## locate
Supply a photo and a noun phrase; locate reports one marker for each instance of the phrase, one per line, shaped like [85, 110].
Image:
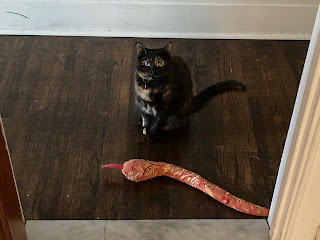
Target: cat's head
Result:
[153, 63]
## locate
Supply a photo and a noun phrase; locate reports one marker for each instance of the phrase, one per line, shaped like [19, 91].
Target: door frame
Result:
[295, 209]
[11, 216]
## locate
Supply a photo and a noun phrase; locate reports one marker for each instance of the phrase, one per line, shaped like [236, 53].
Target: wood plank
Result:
[69, 108]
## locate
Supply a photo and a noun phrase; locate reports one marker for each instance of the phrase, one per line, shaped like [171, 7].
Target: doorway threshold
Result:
[187, 229]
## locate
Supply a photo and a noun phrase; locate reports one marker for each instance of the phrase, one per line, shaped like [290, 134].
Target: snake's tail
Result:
[214, 191]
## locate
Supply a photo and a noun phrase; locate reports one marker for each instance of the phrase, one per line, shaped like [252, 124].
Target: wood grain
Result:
[68, 108]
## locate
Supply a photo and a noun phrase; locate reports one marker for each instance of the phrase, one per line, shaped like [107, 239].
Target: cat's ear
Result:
[141, 50]
[168, 48]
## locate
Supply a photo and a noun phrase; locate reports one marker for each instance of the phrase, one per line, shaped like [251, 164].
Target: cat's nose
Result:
[152, 72]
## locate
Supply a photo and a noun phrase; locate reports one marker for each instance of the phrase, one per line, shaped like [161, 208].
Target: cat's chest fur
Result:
[151, 99]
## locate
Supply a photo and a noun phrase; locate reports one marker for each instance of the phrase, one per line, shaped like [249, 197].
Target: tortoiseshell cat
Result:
[163, 91]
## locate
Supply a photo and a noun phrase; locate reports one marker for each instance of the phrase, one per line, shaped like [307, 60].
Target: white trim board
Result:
[250, 19]
[295, 210]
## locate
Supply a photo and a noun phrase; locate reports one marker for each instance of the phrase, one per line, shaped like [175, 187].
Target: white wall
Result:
[257, 19]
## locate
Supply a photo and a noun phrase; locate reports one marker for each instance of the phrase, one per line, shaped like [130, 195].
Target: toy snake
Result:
[140, 170]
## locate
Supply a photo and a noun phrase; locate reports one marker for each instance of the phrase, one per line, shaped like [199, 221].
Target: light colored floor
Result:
[193, 229]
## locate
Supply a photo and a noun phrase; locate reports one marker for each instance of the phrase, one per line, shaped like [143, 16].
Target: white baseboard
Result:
[163, 19]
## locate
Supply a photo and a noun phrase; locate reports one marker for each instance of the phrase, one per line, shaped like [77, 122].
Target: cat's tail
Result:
[199, 100]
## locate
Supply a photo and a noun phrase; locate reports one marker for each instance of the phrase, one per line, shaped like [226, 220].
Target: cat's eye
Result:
[161, 64]
[147, 64]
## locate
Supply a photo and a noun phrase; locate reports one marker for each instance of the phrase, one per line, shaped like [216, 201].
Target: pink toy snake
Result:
[140, 170]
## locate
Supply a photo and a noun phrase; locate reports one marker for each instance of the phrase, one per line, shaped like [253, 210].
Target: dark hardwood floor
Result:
[67, 105]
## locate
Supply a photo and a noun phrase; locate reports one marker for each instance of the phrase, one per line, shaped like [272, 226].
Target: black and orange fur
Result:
[163, 90]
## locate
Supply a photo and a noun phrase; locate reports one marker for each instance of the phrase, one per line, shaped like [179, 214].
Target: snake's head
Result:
[134, 170]
[137, 169]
